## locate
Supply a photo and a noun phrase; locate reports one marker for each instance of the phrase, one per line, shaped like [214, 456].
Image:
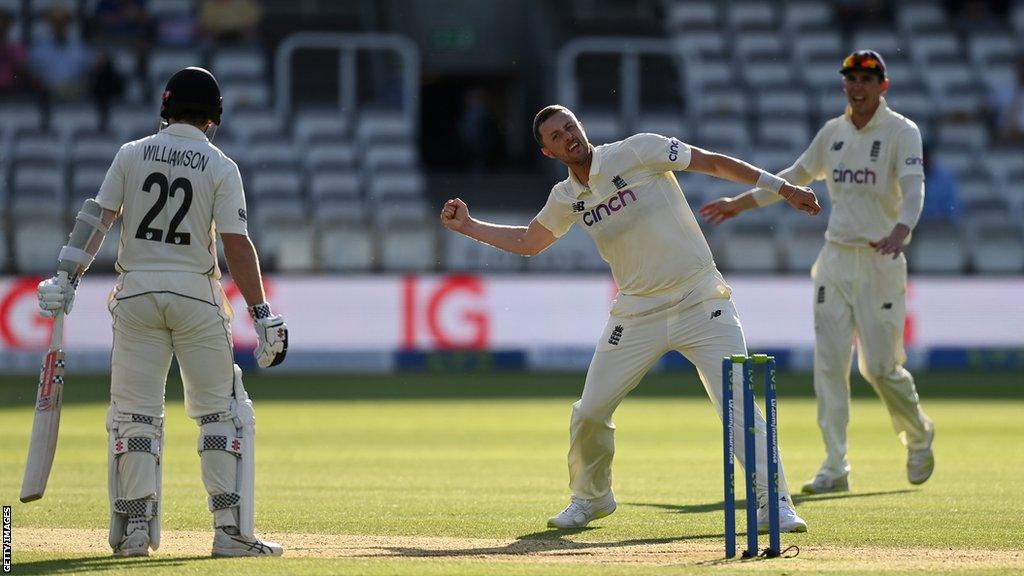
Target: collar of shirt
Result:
[880, 115]
[595, 167]
[185, 131]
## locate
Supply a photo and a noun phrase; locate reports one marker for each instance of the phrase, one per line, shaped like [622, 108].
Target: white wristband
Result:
[770, 182]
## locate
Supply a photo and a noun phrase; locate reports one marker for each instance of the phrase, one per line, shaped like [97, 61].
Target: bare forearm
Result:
[727, 168]
[507, 238]
[244, 265]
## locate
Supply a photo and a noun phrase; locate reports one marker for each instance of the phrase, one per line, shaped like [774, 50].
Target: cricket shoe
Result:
[824, 484]
[789, 521]
[136, 539]
[582, 511]
[921, 463]
[228, 542]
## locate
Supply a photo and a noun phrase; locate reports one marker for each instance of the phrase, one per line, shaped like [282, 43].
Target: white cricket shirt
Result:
[862, 169]
[635, 212]
[175, 191]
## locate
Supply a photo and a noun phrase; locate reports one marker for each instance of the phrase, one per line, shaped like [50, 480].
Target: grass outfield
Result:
[443, 474]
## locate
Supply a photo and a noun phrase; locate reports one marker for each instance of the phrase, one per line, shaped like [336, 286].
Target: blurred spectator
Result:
[121, 21]
[108, 85]
[14, 74]
[941, 191]
[60, 62]
[1008, 104]
[477, 131]
[230, 21]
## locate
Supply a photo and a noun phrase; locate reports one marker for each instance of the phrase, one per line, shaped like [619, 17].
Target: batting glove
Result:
[56, 294]
[272, 334]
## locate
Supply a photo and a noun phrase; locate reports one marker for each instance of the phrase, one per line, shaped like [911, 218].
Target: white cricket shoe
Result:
[227, 544]
[788, 519]
[135, 541]
[824, 484]
[582, 511]
[921, 463]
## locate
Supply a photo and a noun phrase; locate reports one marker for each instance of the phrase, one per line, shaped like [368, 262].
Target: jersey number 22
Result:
[145, 232]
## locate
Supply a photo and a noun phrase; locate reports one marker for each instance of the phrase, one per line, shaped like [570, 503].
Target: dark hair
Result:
[545, 113]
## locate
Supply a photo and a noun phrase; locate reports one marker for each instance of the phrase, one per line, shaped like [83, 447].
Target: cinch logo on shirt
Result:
[862, 176]
[914, 161]
[614, 204]
[673, 150]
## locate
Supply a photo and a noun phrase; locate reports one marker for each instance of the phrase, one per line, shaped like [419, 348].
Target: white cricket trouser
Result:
[157, 315]
[704, 333]
[859, 292]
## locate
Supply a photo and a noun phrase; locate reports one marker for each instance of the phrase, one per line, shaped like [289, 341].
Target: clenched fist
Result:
[455, 214]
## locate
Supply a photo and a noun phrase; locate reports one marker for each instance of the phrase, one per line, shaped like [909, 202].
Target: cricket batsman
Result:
[671, 295]
[871, 160]
[174, 191]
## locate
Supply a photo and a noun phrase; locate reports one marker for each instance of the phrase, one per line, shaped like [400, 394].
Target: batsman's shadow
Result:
[548, 542]
[740, 504]
[104, 564]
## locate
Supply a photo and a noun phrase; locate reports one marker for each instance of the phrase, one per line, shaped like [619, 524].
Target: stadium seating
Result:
[332, 191]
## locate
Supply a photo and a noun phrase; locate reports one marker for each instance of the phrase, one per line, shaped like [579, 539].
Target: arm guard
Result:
[84, 241]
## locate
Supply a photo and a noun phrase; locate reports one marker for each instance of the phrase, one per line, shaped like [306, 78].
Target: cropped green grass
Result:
[484, 456]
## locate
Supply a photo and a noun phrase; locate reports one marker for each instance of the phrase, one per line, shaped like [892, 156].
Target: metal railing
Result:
[630, 50]
[349, 45]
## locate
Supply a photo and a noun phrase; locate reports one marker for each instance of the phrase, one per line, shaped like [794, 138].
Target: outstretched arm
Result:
[729, 168]
[722, 209]
[523, 240]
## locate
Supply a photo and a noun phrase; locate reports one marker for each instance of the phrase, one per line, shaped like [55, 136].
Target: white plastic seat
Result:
[39, 232]
[745, 15]
[345, 240]
[276, 184]
[989, 47]
[325, 186]
[407, 185]
[234, 63]
[921, 16]
[935, 47]
[69, 119]
[330, 157]
[791, 130]
[23, 116]
[811, 45]
[666, 124]
[376, 126]
[803, 242]
[245, 94]
[383, 158]
[783, 103]
[758, 45]
[801, 16]
[723, 102]
[602, 128]
[284, 234]
[38, 147]
[94, 148]
[731, 132]
[247, 124]
[885, 41]
[279, 155]
[937, 248]
[687, 15]
[972, 134]
[318, 123]
[131, 122]
[465, 254]
[164, 62]
[408, 242]
[748, 247]
[997, 246]
[573, 251]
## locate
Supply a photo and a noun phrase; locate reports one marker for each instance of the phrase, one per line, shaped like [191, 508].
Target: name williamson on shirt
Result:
[190, 158]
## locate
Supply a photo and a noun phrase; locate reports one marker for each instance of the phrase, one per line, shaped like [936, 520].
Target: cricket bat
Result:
[47, 417]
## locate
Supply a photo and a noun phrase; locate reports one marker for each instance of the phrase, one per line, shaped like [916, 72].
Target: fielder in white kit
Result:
[174, 191]
[671, 295]
[871, 160]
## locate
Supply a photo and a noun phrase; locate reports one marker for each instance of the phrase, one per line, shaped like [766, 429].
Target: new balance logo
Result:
[837, 146]
[578, 207]
[619, 182]
[616, 336]
[715, 314]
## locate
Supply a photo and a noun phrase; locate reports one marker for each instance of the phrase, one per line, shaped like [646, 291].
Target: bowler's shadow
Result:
[105, 563]
[740, 504]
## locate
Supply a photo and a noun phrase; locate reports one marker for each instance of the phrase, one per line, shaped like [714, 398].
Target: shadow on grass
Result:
[553, 542]
[741, 504]
[102, 563]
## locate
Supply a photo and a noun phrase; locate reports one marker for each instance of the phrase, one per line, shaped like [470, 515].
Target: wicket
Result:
[750, 451]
